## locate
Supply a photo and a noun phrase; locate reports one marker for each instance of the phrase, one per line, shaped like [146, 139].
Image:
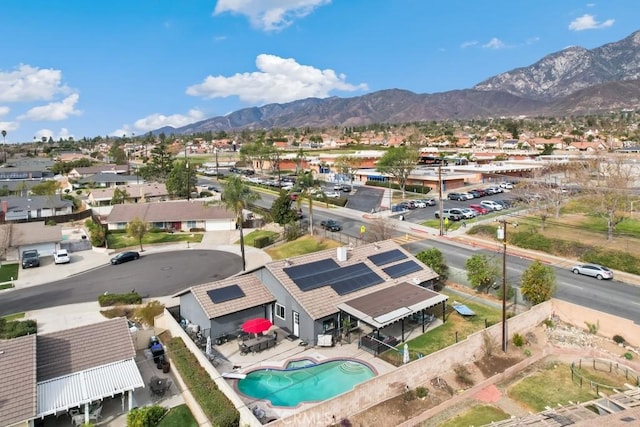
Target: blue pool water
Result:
[300, 363]
[316, 382]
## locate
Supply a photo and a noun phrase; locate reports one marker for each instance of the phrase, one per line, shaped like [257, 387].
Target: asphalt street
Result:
[153, 275]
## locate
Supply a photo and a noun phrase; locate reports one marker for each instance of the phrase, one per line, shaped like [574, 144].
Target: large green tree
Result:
[137, 228]
[161, 163]
[181, 180]
[281, 211]
[482, 272]
[45, 188]
[398, 162]
[120, 195]
[434, 259]
[236, 196]
[538, 283]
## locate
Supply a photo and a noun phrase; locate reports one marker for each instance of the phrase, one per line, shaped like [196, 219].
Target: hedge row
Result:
[530, 239]
[107, 300]
[216, 406]
[408, 188]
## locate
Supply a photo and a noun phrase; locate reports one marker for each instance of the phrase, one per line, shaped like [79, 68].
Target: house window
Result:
[280, 311]
[191, 224]
[328, 325]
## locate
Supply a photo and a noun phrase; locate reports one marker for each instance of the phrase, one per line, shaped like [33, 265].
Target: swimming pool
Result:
[315, 382]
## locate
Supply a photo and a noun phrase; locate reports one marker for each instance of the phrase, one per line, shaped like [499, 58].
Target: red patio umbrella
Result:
[255, 326]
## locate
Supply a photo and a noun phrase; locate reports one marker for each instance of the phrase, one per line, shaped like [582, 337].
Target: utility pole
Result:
[502, 235]
[441, 202]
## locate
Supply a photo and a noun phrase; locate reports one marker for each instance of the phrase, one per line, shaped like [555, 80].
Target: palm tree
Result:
[236, 196]
[306, 182]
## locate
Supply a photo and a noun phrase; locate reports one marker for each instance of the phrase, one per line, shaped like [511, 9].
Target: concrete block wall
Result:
[417, 372]
[165, 322]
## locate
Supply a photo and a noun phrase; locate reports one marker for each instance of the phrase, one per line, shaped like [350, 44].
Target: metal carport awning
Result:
[387, 306]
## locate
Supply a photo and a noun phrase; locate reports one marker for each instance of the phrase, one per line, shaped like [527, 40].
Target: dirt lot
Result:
[406, 407]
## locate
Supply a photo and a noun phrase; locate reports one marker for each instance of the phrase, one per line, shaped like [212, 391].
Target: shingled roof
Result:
[18, 379]
[77, 349]
[322, 301]
[255, 294]
[168, 211]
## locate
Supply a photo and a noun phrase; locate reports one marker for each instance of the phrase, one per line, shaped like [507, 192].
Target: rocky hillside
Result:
[573, 81]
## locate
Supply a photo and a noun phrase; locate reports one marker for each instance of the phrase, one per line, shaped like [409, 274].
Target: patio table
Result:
[257, 344]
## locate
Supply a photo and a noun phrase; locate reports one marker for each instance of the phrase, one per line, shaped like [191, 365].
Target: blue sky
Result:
[125, 67]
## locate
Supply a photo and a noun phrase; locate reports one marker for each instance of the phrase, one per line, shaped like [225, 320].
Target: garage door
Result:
[44, 249]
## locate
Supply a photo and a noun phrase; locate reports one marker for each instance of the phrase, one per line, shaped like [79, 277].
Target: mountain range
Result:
[573, 81]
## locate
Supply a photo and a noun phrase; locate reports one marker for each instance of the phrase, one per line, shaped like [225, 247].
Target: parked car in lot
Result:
[406, 205]
[506, 185]
[468, 213]
[428, 202]
[346, 188]
[30, 258]
[453, 215]
[125, 257]
[456, 196]
[600, 272]
[61, 256]
[481, 210]
[419, 204]
[332, 194]
[490, 204]
[331, 225]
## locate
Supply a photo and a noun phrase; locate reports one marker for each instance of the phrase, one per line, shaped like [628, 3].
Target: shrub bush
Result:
[107, 300]
[147, 313]
[463, 376]
[216, 406]
[518, 340]
[530, 239]
[422, 392]
[262, 242]
[628, 355]
[197, 230]
[146, 416]
[16, 328]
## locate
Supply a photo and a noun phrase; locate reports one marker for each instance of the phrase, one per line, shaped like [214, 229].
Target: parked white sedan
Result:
[61, 256]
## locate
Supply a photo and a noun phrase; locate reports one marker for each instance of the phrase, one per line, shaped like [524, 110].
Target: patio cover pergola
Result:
[393, 304]
[90, 385]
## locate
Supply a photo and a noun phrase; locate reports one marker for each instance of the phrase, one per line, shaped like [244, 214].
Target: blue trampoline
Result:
[463, 310]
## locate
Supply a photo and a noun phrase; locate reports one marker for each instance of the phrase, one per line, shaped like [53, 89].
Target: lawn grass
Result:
[549, 387]
[179, 416]
[304, 245]
[455, 326]
[14, 316]
[250, 238]
[9, 272]
[8, 285]
[121, 240]
[477, 416]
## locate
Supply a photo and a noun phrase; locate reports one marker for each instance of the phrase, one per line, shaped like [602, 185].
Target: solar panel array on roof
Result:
[227, 293]
[402, 269]
[354, 278]
[327, 272]
[298, 271]
[387, 257]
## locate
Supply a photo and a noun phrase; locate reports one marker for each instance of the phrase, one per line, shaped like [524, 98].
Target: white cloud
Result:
[54, 110]
[588, 22]
[278, 80]
[270, 15]
[4, 111]
[28, 83]
[48, 133]
[156, 121]
[9, 126]
[494, 43]
[469, 43]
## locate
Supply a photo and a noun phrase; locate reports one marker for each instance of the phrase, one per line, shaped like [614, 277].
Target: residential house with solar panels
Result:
[221, 307]
[373, 286]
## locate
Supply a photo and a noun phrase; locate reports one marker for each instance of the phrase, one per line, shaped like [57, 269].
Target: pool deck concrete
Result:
[279, 356]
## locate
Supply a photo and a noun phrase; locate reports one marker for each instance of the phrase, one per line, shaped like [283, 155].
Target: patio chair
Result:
[96, 414]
